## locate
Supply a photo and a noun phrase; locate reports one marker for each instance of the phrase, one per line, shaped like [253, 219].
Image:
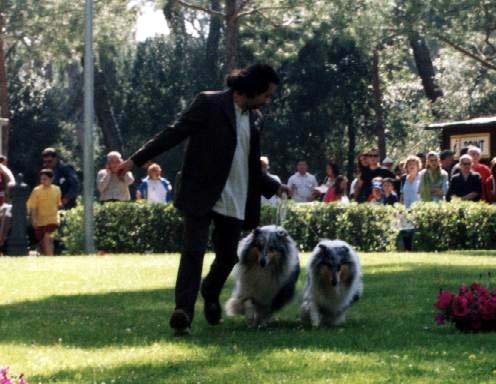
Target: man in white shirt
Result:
[302, 183]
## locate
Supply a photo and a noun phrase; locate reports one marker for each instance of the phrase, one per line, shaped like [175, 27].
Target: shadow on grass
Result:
[395, 316]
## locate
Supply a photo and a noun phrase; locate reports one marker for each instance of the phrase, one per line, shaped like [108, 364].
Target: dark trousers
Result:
[225, 237]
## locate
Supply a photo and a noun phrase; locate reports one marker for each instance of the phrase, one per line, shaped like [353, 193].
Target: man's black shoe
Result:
[211, 309]
[212, 312]
[180, 323]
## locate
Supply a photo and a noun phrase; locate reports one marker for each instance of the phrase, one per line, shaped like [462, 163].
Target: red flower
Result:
[460, 306]
[444, 299]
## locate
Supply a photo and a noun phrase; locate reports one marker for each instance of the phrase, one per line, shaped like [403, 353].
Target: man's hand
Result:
[283, 188]
[125, 167]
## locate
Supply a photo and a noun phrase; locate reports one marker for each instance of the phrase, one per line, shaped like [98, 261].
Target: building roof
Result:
[478, 122]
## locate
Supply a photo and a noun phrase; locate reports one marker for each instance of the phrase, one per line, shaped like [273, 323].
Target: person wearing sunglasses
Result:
[466, 184]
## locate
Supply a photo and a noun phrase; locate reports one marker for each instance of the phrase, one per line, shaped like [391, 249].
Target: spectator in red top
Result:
[482, 169]
[489, 185]
[338, 192]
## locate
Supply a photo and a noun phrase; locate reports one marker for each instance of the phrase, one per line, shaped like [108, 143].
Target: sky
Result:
[150, 23]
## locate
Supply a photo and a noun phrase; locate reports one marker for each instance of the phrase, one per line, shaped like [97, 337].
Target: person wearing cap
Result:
[466, 184]
[433, 180]
[64, 176]
[387, 163]
[264, 162]
[376, 195]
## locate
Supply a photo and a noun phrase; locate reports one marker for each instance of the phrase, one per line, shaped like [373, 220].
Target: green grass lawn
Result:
[105, 320]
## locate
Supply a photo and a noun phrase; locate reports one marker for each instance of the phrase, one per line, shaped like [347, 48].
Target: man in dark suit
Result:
[221, 181]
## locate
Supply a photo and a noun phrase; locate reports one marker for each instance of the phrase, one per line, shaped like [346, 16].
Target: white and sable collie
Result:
[266, 275]
[334, 283]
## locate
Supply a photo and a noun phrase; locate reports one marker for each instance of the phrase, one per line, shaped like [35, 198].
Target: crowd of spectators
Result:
[430, 177]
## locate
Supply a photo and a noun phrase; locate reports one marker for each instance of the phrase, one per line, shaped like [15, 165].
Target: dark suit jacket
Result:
[209, 125]
[461, 187]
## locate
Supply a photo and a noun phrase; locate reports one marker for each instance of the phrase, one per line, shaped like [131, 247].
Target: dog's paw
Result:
[250, 313]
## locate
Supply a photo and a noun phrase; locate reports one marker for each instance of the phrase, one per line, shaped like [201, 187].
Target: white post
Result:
[89, 113]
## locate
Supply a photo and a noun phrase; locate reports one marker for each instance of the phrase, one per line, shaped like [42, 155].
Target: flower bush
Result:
[5, 379]
[472, 309]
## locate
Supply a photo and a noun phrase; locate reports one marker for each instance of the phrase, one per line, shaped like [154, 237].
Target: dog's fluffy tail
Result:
[234, 306]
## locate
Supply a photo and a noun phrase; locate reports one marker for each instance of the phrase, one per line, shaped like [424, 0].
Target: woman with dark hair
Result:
[339, 192]
[332, 172]
[489, 187]
[357, 183]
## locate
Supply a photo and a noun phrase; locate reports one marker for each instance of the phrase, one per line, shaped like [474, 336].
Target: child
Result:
[44, 203]
[390, 197]
[376, 194]
[155, 188]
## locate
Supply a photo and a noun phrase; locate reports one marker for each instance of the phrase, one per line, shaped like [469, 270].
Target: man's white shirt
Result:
[302, 187]
[232, 201]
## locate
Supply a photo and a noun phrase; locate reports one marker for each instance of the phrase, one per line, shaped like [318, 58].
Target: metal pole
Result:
[89, 113]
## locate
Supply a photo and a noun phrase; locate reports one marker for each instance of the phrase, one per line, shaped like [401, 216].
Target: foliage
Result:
[141, 227]
[136, 227]
[454, 225]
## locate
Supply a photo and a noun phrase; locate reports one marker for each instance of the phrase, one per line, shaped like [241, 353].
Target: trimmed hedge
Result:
[145, 228]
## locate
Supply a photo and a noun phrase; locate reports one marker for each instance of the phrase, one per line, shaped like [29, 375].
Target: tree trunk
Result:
[105, 117]
[379, 111]
[351, 141]
[4, 95]
[175, 20]
[213, 40]
[232, 35]
[425, 68]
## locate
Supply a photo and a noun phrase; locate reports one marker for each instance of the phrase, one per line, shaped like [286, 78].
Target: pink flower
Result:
[4, 379]
[444, 299]
[460, 306]
[22, 380]
[463, 289]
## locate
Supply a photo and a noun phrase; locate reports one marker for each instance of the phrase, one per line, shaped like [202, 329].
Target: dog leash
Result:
[282, 209]
[282, 212]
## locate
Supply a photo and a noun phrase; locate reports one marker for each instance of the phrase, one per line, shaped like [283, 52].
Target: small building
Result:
[480, 132]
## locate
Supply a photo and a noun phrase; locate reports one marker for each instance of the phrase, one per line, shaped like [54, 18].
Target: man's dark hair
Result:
[52, 152]
[464, 151]
[3, 159]
[47, 172]
[421, 155]
[253, 80]
[446, 153]
[300, 160]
